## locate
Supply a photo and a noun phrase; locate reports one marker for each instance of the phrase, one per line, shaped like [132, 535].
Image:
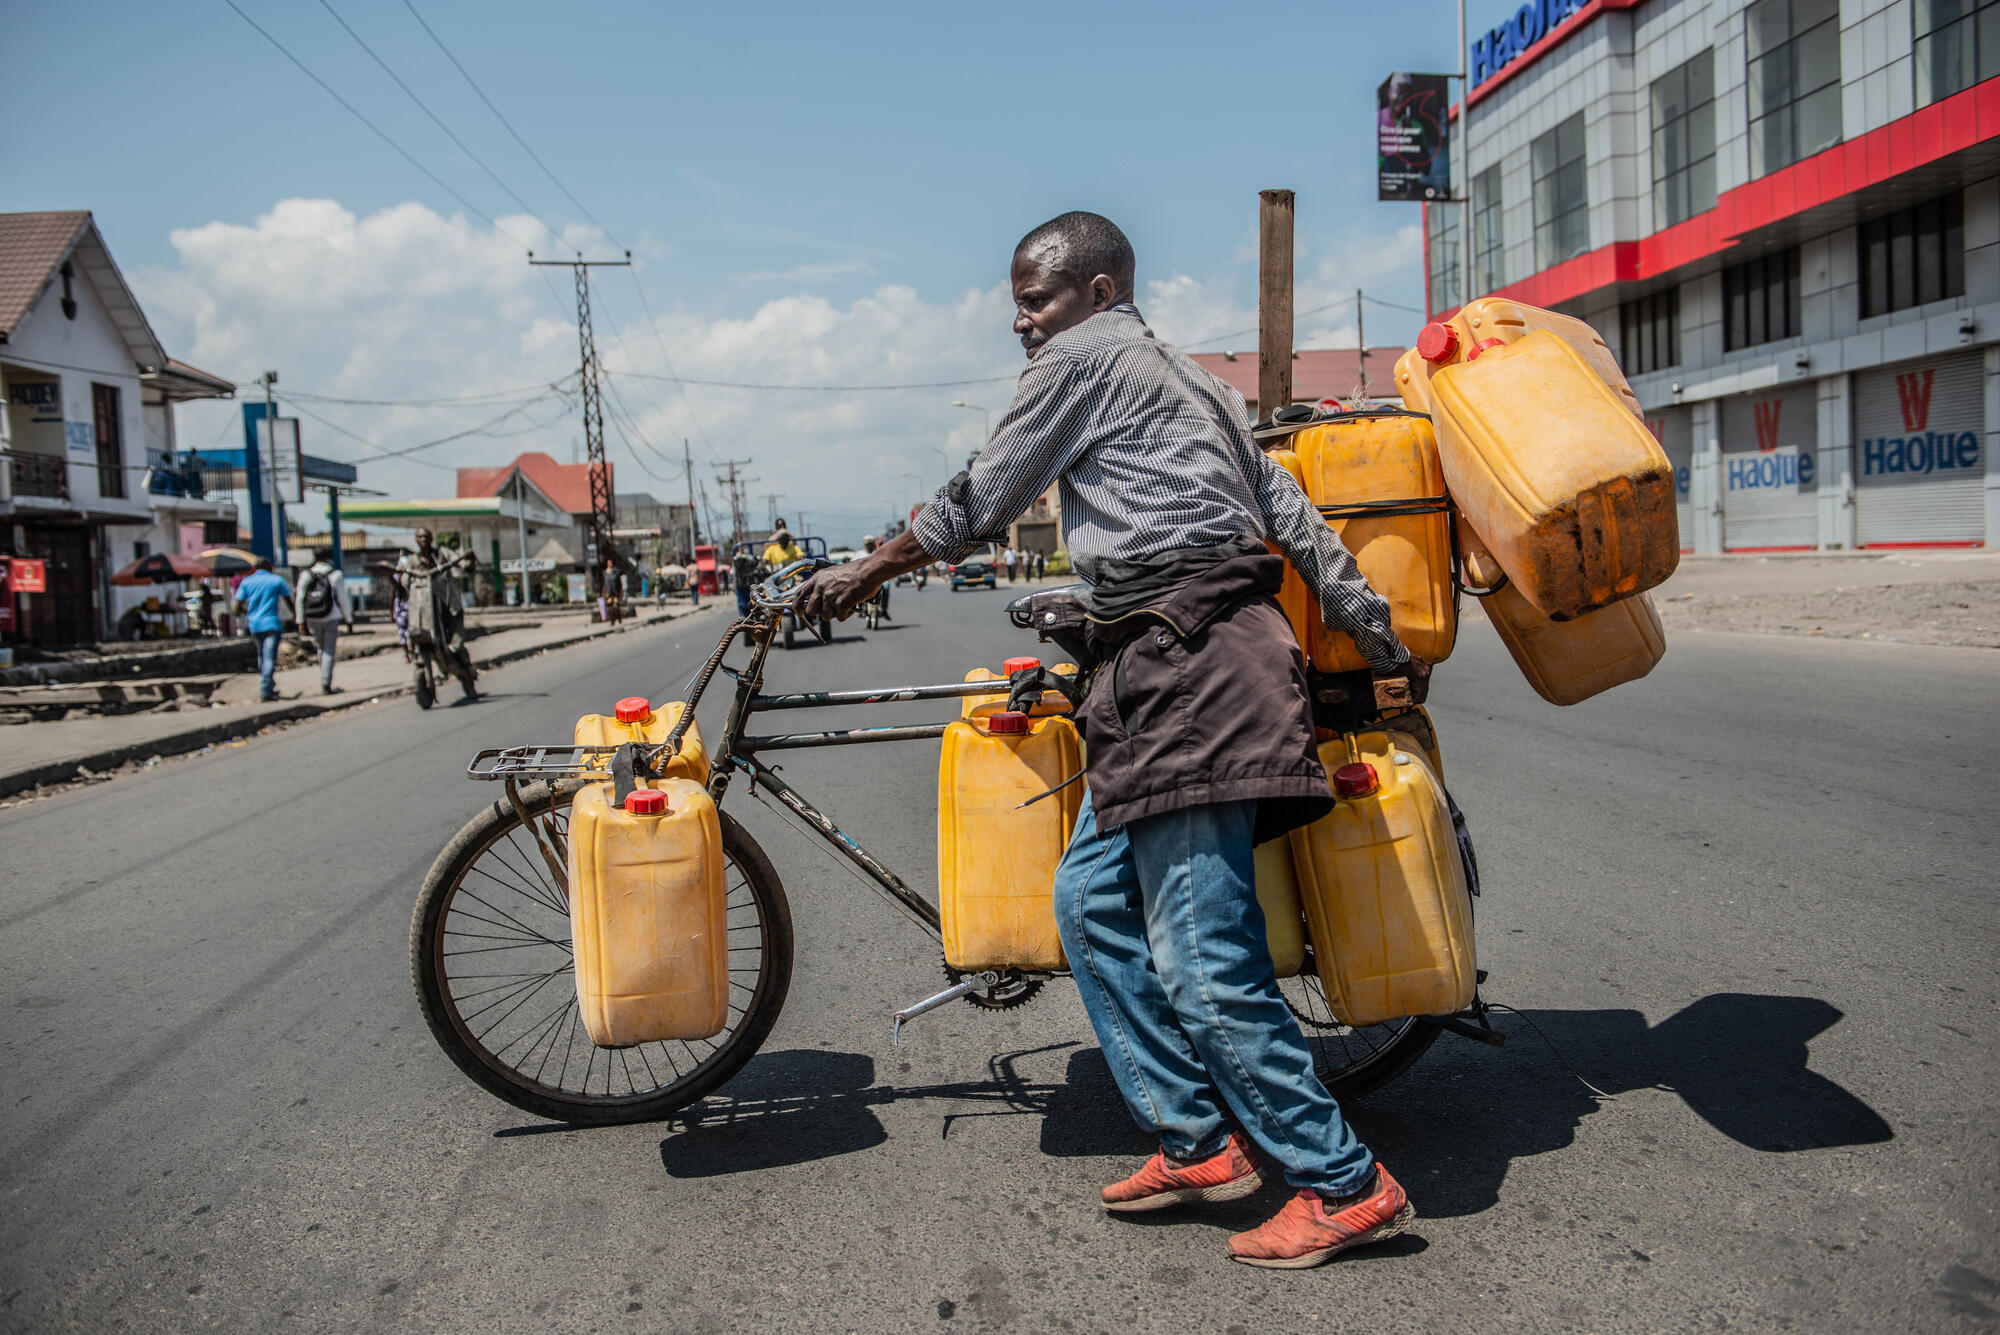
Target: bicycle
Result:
[490, 939]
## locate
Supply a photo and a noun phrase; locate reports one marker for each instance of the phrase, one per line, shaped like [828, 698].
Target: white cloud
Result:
[409, 304]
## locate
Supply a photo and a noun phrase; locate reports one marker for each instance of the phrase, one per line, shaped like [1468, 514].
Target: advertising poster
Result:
[1411, 130]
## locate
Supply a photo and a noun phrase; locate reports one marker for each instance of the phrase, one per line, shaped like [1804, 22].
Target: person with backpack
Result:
[322, 603]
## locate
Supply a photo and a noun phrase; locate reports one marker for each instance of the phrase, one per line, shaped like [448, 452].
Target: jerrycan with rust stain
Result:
[634, 719]
[997, 859]
[1545, 453]
[648, 914]
[1384, 891]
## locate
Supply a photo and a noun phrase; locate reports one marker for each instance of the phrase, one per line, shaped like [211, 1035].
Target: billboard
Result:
[1412, 119]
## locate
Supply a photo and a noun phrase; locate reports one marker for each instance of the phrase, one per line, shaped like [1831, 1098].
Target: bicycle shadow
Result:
[1452, 1126]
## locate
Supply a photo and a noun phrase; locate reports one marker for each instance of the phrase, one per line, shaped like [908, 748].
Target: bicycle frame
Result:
[740, 752]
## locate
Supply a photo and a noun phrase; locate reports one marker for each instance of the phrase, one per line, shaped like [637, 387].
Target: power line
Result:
[1393, 305]
[1239, 333]
[489, 399]
[473, 84]
[380, 133]
[436, 120]
[816, 389]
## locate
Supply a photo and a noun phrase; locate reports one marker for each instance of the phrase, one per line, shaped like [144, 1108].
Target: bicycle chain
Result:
[1012, 992]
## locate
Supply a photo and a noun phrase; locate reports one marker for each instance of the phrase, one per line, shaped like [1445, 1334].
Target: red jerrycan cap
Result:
[1007, 722]
[1437, 342]
[1482, 345]
[646, 802]
[1356, 780]
[633, 709]
[1013, 665]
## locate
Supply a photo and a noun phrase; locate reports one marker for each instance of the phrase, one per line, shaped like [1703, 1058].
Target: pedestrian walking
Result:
[694, 584]
[1204, 749]
[321, 600]
[262, 598]
[1008, 559]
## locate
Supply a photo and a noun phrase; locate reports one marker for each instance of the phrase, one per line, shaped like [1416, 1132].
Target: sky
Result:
[811, 195]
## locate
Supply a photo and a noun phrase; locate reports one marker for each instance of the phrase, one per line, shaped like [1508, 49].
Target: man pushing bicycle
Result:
[1200, 735]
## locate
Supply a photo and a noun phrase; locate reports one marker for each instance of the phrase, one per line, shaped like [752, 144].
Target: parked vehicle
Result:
[982, 567]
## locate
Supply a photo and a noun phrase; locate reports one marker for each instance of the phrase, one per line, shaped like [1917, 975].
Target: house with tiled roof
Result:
[1317, 373]
[90, 473]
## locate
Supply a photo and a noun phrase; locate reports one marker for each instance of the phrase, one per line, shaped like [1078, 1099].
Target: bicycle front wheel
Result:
[490, 957]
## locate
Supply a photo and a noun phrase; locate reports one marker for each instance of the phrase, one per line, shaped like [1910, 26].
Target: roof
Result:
[1321, 373]
[177, 382]
[568, 485]
[33, 247]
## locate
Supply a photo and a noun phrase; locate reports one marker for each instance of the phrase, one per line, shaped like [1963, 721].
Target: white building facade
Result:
[1784, 216]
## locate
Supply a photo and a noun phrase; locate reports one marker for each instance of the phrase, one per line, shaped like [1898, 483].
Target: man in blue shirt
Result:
[262, 597]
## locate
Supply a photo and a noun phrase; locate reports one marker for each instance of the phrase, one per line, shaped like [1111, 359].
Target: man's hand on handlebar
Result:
[838, 590]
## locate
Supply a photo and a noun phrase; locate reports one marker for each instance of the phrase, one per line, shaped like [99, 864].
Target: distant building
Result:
[1318, 373]
[91, 475]
[566, 487]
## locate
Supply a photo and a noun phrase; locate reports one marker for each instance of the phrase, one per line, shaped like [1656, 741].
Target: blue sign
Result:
[81, 435]
[1531, 22]
[1915, 455]
[1682, 481]
[1778, 470]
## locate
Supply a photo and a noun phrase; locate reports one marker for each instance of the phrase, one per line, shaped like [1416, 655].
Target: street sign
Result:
[533, 565]
[290, 473]
[26, 576]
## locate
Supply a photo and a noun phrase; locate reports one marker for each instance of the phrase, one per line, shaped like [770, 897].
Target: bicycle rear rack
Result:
[541, 762]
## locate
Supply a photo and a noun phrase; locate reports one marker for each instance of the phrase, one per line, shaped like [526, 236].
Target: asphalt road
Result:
[1750, 899]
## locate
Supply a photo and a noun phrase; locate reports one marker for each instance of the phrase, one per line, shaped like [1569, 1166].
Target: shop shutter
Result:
[1770, 468]
[1674, 429]
[1920, 452]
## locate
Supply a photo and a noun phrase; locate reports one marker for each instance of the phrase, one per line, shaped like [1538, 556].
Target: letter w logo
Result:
[1913, 388]
[1767, 423]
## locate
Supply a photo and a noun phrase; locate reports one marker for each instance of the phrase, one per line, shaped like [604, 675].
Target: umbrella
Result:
[228, 561]
[160, 568]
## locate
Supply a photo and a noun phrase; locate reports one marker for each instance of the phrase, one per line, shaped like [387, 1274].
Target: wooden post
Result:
[1274, 300]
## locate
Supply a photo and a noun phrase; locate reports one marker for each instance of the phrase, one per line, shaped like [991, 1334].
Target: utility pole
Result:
[1361, 338]
[687, 460]
[521, 526]
[771, 499]
[1464, 156]
[280, 544]
[735, 485]
[603, 515]
[1274, 300]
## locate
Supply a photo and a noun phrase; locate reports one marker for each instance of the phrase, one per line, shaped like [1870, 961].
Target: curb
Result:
[180, 743]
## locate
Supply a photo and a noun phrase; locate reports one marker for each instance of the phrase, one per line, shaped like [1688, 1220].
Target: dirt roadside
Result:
[1943, 597]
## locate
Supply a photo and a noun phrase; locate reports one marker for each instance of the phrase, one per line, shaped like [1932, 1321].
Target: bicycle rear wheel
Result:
[1352, 1061]
[490, 958]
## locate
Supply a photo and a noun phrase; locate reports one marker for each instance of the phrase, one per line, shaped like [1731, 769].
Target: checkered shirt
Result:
[1153, 454]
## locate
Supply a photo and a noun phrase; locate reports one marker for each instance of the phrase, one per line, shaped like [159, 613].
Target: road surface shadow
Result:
[1451, 1127]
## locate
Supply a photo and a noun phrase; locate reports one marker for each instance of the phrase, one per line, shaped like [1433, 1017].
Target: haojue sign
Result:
[1531, 22]
[1412, 116]
[1920, 450]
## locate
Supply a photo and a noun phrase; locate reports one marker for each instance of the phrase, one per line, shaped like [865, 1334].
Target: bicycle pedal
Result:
[970, 983]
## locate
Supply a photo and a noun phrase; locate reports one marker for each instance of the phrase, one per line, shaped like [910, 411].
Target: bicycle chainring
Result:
[1014, 990]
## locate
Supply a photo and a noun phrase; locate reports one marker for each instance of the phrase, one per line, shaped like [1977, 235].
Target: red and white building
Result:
[1785, 218]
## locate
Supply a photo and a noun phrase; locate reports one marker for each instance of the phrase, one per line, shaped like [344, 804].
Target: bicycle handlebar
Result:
[769, 596]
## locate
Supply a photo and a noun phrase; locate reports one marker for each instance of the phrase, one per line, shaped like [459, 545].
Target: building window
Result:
[1914, 256]
[1562, 205]
[1447, 272]
[1486, 230]
[1760, 300]
[1794, 80]
[1684, 141]
[110, 442]
[1958, 45]
[1649, 332]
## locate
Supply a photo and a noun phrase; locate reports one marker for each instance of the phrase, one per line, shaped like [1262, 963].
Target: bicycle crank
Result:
[970, 984]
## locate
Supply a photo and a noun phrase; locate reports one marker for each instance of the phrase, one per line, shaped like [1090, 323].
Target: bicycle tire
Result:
[426, 692]
[791, 630]
[1353, 1062]
[757, 903]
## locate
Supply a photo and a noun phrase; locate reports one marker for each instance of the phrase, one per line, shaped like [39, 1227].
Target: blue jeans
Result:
[743, 600]
[267, 660]
[1160, 920]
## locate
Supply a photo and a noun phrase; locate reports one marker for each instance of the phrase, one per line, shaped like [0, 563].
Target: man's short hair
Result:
[1082, 246]
[322, 553]
[263, 563]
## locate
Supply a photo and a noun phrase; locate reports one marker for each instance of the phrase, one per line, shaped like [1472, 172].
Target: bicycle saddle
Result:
[1017, 610]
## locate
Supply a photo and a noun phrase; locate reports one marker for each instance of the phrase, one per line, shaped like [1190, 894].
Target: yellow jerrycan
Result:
[1278, 896]
[648, 914]
[996, 859]
[1294, 598]
[1546, 465]
[634, 719]
[1384, 890]
[1566, 662]
[1375, 475]
[984, 706]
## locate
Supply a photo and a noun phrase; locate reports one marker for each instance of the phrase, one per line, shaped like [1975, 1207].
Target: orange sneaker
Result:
[1306, 1232]
[1228, 1175]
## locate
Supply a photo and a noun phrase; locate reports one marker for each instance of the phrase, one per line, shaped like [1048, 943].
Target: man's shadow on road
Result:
[1454, 1123]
